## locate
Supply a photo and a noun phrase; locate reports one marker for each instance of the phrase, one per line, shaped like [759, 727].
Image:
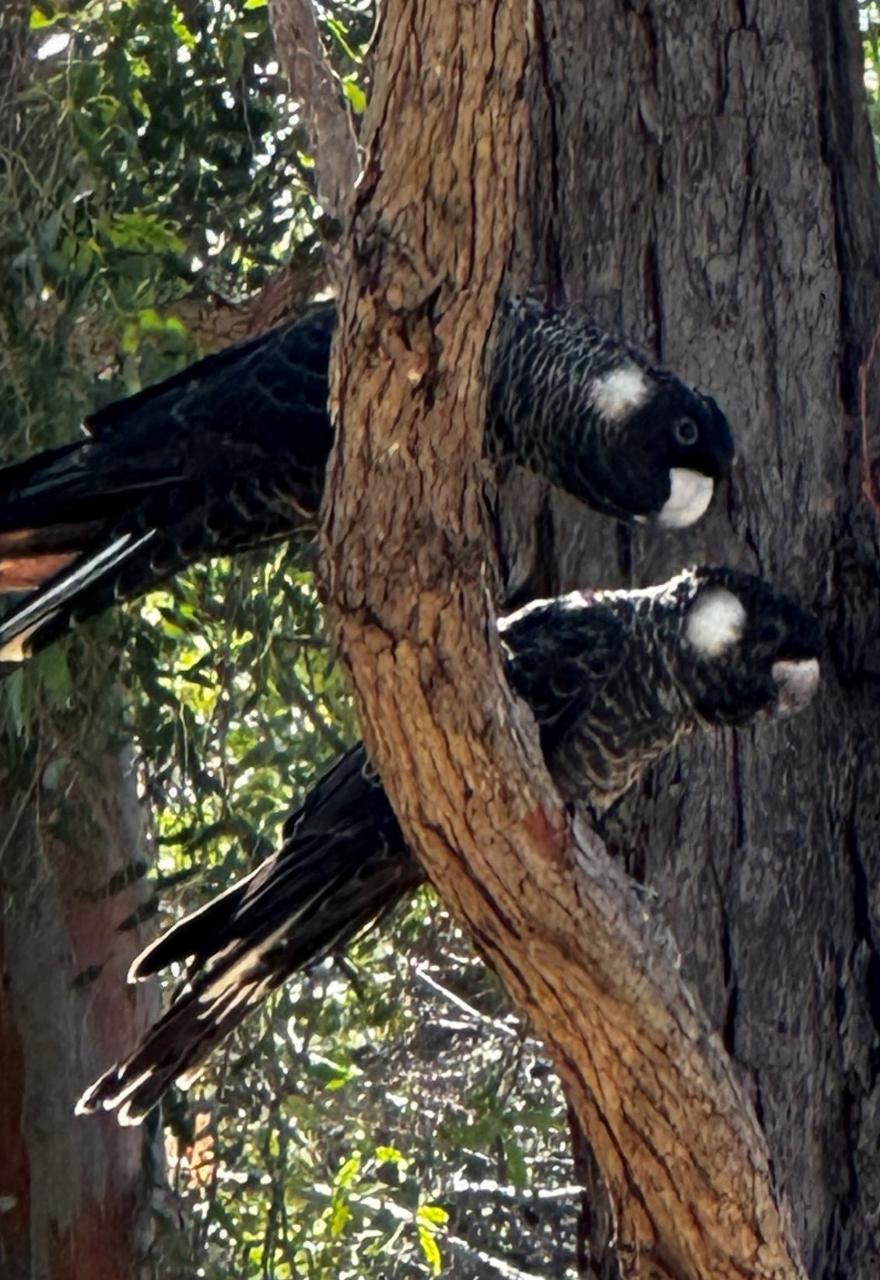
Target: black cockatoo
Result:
[614, 679]
[231, 453]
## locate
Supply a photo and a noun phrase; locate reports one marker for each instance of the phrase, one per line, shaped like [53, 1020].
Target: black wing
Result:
[228, 454]
[343, 865]
[561, 654]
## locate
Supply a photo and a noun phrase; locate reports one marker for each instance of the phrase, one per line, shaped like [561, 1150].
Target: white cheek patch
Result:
[619, 393]
[690, 493]
[715, 622]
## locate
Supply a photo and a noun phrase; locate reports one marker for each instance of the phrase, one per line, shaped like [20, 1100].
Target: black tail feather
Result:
[342, 866]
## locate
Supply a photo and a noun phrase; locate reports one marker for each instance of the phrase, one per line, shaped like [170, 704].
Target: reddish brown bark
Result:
[75, 1194]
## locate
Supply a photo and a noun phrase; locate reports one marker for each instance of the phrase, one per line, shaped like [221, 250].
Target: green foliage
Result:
[175, 153]
[869, 18]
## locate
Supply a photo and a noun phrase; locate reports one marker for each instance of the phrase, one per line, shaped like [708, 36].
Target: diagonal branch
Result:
[408, 561]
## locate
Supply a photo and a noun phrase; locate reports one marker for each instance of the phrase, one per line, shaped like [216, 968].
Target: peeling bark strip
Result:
[408, 565]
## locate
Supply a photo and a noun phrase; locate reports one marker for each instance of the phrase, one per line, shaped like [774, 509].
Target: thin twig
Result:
[488, 1187]
[498, 1265]
[453, 999]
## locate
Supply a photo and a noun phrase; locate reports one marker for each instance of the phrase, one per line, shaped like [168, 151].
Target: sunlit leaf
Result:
[431, 1250]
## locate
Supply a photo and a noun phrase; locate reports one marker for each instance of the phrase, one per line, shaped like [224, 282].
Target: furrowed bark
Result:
[708, 184]
[410, 575]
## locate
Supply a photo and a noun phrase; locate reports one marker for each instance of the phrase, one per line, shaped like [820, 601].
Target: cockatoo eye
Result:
[686, 431]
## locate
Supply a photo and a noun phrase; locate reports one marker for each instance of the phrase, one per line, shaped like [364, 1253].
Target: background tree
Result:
[773, 291]
[70, 819]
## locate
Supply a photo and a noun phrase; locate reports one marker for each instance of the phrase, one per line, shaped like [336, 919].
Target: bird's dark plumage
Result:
[231, 454]
[592, 414]
[614, 679]
[227, 455]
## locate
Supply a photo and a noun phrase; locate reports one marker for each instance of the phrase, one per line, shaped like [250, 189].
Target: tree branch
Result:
[316, 87]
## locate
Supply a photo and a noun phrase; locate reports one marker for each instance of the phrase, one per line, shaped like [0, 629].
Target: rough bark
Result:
[675, 1134]
[720, 201]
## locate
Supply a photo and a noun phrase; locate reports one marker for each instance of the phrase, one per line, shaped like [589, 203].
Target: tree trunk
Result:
[74, 1194]
[706, 180]
[726, 211]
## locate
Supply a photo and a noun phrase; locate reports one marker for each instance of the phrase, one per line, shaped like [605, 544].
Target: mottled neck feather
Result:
[551, 374]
